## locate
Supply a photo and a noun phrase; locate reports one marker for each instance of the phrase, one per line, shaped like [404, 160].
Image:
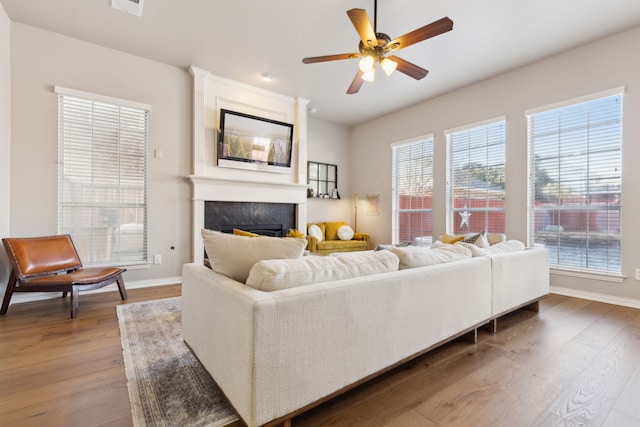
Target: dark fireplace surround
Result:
[268, 219]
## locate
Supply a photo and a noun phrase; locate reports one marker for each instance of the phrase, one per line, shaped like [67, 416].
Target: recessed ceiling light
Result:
[266, 76]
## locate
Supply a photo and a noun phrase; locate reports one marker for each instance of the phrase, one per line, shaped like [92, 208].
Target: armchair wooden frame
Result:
[52, 264]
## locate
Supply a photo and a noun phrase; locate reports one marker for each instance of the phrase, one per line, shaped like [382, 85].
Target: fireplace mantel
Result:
[227, 190]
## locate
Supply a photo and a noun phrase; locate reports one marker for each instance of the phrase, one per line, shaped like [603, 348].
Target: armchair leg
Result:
[8, 293]
[123, 291]
[74, 301]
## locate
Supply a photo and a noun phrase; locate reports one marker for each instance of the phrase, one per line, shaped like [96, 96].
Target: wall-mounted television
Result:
[253, 140]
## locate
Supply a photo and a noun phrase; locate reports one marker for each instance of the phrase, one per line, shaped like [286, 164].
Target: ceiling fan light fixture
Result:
[369, 76]
[367, 63]
[388, 65]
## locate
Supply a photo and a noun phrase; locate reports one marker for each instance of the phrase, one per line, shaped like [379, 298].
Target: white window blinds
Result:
[575, 162]
[412, 174]
[102, 177]
[476, 178]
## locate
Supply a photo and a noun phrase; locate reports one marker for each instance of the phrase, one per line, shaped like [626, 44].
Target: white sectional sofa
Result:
[275, 354]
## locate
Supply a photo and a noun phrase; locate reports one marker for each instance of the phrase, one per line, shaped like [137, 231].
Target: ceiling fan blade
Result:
[314, 59]
[431, 30]
[356, 84]
[411, 70]
[363, 26]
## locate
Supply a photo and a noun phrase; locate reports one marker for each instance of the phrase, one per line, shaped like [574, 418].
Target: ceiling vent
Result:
[133, 7]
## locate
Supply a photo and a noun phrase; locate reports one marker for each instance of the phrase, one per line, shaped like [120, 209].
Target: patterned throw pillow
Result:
[473, 237]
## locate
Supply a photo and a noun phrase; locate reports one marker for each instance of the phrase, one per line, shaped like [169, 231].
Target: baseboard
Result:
[19, 297]
[593, 296]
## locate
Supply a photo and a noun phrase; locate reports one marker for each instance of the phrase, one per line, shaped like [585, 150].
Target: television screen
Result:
[252, 139]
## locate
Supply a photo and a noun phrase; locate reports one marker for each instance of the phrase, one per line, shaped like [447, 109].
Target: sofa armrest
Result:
[362, 236]
[312, 243]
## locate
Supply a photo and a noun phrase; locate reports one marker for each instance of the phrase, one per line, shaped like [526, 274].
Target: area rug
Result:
[167, 385]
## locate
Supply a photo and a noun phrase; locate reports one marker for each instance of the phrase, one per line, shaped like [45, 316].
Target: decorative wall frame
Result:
[323, 180]
[248, 139]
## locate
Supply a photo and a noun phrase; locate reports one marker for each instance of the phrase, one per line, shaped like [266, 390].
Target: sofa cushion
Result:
[345, 233]
[276, 274]
[331, 233]
[234, 255]
[316, 232]
[416, 256]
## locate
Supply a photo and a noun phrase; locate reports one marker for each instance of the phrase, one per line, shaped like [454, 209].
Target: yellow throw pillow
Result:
[332, 230]
[447, 238]
[239, 232]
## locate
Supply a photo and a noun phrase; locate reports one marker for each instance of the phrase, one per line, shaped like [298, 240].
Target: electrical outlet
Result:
[157, 259]
[637, 273]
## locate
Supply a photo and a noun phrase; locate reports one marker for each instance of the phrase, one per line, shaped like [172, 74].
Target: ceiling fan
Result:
[374, 47]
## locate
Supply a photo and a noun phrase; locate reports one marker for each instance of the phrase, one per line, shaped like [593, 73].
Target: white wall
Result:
[42, 59]
[606, 64]
[5, 138]
[329, 143]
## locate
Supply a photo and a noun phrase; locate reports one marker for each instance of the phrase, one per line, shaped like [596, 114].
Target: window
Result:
[575, 153]
[102, 177]
[476, 180]
[412, 174]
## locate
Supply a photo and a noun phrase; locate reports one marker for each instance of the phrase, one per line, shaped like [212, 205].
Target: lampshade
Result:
[367, 63]
[369, 76]
[388, 65]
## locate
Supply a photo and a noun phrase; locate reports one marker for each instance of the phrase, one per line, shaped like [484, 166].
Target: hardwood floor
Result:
[576, 362]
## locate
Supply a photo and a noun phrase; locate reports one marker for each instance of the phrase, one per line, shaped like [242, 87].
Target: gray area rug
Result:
[167, 384]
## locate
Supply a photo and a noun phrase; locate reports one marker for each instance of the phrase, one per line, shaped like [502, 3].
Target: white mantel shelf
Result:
[231, 190]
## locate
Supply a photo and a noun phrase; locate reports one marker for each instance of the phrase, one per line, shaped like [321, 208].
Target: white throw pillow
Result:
[345, 232]
[234, 255]
[494, 238]
[475, 250]
[315, 231]
[505, 247]
[276, 274]
[415, 256]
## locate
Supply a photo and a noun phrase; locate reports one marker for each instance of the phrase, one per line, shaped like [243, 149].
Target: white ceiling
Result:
[240, 39]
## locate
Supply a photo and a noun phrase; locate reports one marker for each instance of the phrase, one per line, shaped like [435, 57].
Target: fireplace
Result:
[252, 207]
[267, 219]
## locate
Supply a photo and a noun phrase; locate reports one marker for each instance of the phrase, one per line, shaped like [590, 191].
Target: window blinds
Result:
[102, 179]
[412, 175]
[476, 173]
[576, 155]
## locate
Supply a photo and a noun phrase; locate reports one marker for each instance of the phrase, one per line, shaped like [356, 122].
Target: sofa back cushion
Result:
[276, 274]
[234, 255]
[416, 256]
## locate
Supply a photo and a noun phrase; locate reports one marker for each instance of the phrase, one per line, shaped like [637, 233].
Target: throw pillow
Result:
[471, 238]
[315, 231]
[239, 232]
[276, 274]
[234, 255]
[482, 242]
[475, 250]
[505, 247]
[494, 238]
[447, 238]
[331, 232]
[345, 233]
[415, 256]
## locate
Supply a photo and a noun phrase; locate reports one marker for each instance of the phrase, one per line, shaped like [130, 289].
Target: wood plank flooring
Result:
[576, 362]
